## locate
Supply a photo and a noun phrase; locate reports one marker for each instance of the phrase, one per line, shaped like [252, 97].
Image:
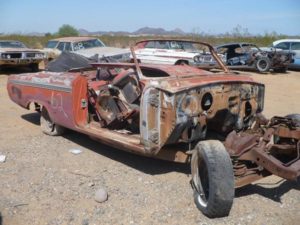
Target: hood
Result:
[18, 50]
[102, 51]
[271, 49]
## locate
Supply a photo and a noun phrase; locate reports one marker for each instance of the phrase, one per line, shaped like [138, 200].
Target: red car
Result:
[178, 113]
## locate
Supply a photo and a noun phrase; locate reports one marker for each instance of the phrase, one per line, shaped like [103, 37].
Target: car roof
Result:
[11, 41]
[234, 43]
[73, 39]
[285, 40]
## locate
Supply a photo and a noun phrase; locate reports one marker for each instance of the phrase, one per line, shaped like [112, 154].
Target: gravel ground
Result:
[41, 182]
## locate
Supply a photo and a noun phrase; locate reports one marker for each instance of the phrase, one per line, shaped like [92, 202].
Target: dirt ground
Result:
[41, 182]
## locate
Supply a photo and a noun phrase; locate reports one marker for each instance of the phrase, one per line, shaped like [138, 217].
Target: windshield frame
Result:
[18, 44]
[84, 44]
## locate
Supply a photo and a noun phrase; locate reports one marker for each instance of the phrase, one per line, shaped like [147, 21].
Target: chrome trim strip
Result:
[41, 85]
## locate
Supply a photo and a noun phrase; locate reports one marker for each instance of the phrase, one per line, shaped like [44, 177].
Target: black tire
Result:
[48, 127]
[34, 67]
[212, 179]
[296, 118]
[263, 64]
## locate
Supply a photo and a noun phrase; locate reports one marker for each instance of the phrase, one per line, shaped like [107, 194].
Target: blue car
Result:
[290, 46]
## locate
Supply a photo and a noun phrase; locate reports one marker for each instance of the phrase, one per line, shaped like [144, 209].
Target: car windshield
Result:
[11, 44]
[249, 47]
[187, 46]
[51, 44]
[87, 44]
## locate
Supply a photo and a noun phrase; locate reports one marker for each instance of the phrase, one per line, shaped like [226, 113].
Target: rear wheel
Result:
[212, 179]
[48, 127]
[263, 64]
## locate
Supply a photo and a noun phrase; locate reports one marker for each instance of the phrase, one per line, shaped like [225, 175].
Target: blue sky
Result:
[209, 16]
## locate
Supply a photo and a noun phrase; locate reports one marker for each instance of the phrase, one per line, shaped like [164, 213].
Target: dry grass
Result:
[125, 41]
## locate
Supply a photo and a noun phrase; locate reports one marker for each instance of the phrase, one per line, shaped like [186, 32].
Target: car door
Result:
[285, 46]
[146, 54]
[295, 49]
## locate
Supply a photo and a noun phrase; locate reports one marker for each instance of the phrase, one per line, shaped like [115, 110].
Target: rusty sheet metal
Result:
[51, 90]
[47, 80]
[263, 156]
[166, 117]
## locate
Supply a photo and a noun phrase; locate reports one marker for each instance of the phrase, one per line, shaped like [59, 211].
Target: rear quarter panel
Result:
[55, 94]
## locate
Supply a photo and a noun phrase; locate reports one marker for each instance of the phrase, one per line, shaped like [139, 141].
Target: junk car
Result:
[290, 46]
[173, 52]
[85, 46]
[249, 56]
[180, 113]
[16, 54]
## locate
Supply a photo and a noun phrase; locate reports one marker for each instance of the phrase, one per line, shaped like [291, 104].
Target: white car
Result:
[16, 54]
[291, 46]
[85, 46]
[171, 52]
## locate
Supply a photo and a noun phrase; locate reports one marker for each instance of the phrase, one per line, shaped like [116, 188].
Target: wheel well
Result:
[34, 105]
[181, 62]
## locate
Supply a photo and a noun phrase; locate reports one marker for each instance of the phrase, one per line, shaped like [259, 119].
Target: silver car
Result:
[291, 46]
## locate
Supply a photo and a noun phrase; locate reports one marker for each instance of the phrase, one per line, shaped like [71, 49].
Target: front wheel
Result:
[48, 127]
[212, 179]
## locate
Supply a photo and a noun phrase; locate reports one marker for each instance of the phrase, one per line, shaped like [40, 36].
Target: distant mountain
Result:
[149, 31]
[141, 31]
[158, 31]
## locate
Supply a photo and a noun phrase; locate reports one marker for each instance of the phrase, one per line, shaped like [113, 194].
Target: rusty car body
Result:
[247, 56]
[16, 54]
[173, 112]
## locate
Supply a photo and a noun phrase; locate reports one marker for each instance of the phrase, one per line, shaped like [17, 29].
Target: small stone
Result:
[2, 158]
[91, 184]
[75, 151]
[101, 195]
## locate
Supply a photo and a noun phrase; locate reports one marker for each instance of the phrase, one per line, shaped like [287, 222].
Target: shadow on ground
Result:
[32, 118]
[272, 191]
[141, 163]
[16, 70]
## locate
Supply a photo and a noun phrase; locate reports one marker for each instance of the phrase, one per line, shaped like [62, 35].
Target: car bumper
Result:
[20, 61]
